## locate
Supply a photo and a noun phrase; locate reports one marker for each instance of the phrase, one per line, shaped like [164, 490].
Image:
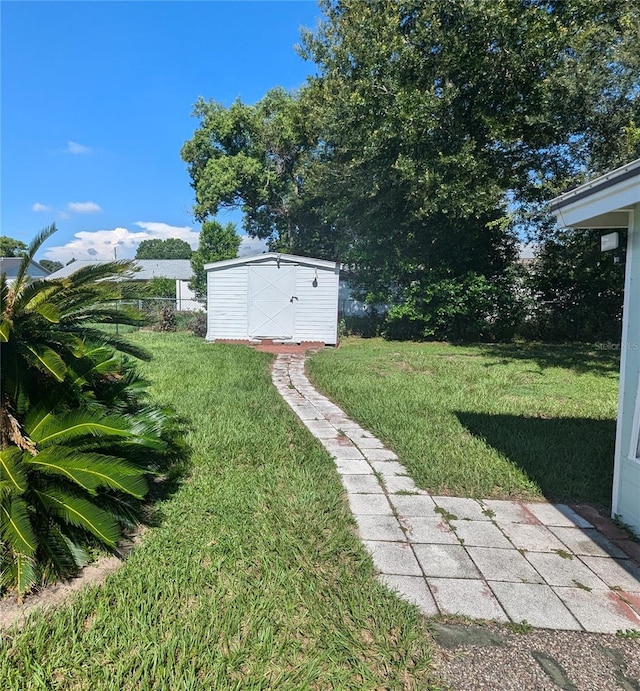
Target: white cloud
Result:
[84, 207]
[75, 148]
[163, 231]
[252, 246]
[100, 244]
[40, 207]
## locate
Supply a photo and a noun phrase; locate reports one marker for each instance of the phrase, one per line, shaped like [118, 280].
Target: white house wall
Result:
[626, 490]
[615, 199]
[186, 298]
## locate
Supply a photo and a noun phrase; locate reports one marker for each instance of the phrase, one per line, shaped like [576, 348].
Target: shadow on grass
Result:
[169, 468]
[601, 358]
[571, 459]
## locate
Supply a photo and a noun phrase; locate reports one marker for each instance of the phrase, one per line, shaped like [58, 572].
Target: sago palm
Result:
[77, 437]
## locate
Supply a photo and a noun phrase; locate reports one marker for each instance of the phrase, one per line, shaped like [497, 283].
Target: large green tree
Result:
[447, 125]
[577, 290]
[10, 247]
[171, 248]
[217, 242]
[252, 158]
[432, 135]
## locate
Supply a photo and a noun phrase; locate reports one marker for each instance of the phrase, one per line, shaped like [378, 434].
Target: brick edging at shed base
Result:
[605, 525]
[267, 345]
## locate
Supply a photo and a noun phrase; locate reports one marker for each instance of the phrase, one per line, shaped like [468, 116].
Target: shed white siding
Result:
[248, 299]
[317, 305]
[227, 292]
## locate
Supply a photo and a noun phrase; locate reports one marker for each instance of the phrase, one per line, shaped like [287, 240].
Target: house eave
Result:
[604, 202]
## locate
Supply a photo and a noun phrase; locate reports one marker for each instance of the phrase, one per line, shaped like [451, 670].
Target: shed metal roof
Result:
[269, 256]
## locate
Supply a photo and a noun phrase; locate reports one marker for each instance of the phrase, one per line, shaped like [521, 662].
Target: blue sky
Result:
[96, 104]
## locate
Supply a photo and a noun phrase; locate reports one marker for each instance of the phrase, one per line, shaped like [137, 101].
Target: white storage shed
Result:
[273, 296]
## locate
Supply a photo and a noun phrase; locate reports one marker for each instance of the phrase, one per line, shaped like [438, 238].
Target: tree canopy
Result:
[10, 247]
[430, 138]
[250, 157]
[171, 248]
[50, 265]
[217, 242]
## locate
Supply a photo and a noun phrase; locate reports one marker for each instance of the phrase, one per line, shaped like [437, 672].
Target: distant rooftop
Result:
[10, 266]
[179, 269]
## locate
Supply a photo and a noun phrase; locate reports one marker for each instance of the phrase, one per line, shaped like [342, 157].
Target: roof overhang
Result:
[271, 256]
[604, 202]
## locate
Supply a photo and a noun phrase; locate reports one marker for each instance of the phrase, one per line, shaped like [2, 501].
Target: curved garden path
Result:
[507, 561]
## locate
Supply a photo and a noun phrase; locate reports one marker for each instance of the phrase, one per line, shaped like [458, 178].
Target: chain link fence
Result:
[181, 312]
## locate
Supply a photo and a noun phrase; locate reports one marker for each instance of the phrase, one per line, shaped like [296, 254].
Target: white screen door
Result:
[272, 301]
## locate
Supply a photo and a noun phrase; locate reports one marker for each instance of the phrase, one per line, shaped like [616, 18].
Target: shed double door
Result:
[272, 301]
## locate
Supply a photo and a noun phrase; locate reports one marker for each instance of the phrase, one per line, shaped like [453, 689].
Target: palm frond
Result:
[6, 488]
[62, 556]
[91, 470]
[5, 328]
[20, 572]
[106, 272]
[126, 512]
[4, 289]
[47, 360]
[82, 513]
[5, 320]
[15, 526]
[49, 311]
[38, 291]
[12, 468]
[107, 315]
[120, 344]
[78, 424]
[35, 245]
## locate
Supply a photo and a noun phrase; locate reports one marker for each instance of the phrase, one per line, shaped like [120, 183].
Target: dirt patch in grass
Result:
[13, 612]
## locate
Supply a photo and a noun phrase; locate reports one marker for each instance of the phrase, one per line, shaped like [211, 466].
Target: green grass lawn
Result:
[252, 578]
[484, 421]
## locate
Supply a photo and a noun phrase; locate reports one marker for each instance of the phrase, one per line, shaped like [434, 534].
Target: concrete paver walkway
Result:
[483, 559]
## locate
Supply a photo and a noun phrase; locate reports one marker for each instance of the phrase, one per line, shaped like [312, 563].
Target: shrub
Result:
[457, 309]
[77, 436]
[167, 320]
[366, 325]
[199, 324]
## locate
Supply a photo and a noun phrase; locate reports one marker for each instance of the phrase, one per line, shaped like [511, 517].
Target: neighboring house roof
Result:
[179, 269]
[10, 265]
[73, 267]
[268, 256]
